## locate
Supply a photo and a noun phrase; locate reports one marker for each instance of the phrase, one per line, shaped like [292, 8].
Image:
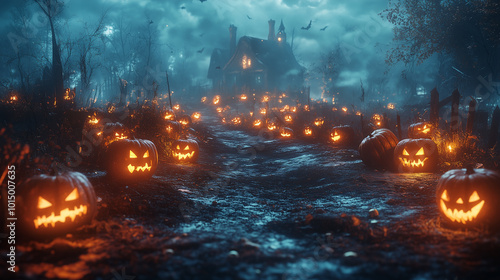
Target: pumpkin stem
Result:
[470, 169]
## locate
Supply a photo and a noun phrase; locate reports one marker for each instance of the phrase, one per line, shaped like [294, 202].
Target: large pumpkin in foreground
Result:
[55, 205]
[377, 149]
[416, 155]
[131, 160]
[469, 197]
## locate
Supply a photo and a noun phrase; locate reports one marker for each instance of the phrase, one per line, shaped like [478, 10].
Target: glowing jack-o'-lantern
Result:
[173, 129]
[204, 99]
[130, 160]
[416, 155]
[216, 100]
[196, 116]
[469, 197]
[236, 121]
[185, 121]
[271, 125]
[420, 130]
[185, 150]
[377, 149]
[257, 123]
[308, 132]
[342, 135]
[288, 118]
[319, 122]
[286, 132]
[55, 205]
[114, 132]
[170, 115]
[176, 107]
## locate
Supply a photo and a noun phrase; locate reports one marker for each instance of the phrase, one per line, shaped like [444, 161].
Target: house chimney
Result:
[232, 39]
[270, 37]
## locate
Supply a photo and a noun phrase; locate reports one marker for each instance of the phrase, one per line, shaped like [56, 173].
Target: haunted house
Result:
[256, 65]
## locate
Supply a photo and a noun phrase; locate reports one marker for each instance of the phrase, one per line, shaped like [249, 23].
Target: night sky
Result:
[183, 28]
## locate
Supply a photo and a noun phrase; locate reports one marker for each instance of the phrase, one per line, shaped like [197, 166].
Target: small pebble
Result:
[233, 254]
[373, 213]
[350, 254]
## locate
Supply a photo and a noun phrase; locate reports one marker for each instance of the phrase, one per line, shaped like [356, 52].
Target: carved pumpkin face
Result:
[288, 118]
[169, 115]
[173, 129]
[286, 132]
[185, 121]
[416, 155]
[196, 116]
[236, 121]
[131, 159]
[53, 205]
[420, 130]
[469, 196]
[308, 132]
[113, 132]
[185, 150]
[341, 135]
[319, 121]
[257, 123]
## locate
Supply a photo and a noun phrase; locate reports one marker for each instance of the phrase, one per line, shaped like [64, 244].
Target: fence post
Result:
[471, 116]
[455, 102]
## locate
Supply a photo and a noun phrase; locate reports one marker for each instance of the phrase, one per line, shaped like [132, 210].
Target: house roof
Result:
[277, 57]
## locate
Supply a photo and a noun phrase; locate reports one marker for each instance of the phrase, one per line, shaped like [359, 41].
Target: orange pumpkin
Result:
[377, 149]
[416, 155]
[185, 150]
[131, 160]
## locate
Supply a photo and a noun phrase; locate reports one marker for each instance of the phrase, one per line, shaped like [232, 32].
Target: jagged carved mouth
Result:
[65, 213]
[461, 216]
[412, 163]
[180, 156]
[132, 168]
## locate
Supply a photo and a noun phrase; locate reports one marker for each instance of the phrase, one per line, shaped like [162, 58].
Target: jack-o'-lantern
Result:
[236, 121]
[204, 99]
[377, 120]
[308, 132]
[342, 135]
[185, 150]
[131, 160]
[55, 205]
[469, 197]
[185, 121]
[377, 149]
[220, 109]
[288, 118]
[243, 97]
[416, 155]
[177, 107]
[286, 132]
[170, 115]
[271, 125]
[263, 111]
[257, 123]
[420, 130]
[216, 100]
[173, 129]
[319, 122]
[113, 132]
[196, 117]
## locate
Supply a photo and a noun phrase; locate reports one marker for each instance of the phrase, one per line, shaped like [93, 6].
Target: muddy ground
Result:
[255, 207]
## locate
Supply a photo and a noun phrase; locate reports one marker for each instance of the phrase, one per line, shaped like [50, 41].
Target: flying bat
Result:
[323, 29]
[200, 51]
[308, 26]
[249, 17]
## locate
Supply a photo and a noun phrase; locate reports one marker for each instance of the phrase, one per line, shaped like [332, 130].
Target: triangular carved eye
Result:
[43, 203]
[132, 155]
[474, 197]
[445, 196]
[460, 201]
[178, 148]
[405, 153]
[72, 196]
[187, 148]
[146, 154]
[420, 152]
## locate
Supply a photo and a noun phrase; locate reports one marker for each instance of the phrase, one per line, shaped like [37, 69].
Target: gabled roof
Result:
[277, 57]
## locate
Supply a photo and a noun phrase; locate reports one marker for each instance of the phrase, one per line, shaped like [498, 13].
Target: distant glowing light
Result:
[216, 100]
[391, 106]
[344, 109]
[243, 97]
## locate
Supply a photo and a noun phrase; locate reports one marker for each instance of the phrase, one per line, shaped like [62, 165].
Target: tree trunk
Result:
[57, 73]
